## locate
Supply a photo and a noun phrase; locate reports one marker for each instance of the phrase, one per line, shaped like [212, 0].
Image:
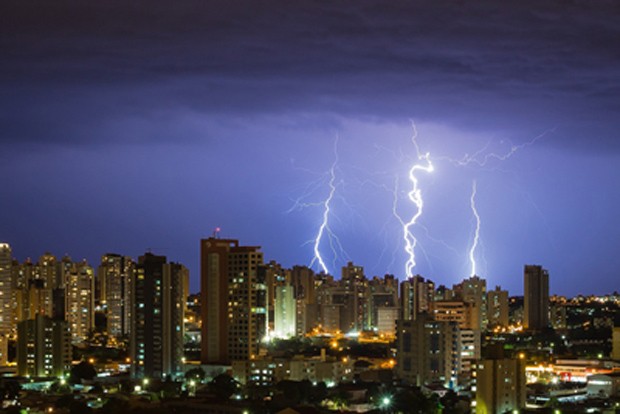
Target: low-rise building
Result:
[269, 370]
[604, 385]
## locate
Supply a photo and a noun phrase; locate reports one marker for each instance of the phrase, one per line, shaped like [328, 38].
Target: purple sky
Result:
[134, 125]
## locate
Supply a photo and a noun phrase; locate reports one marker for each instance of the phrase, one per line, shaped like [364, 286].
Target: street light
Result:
[386, 401]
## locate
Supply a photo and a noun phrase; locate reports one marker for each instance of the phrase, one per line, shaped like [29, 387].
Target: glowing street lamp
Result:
[386, 401]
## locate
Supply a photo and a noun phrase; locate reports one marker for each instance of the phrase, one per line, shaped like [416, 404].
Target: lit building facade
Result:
[115, 275]
[303, 281]
[416, 297]
[500, 386]
[354, 287]
[497, 307]
[473, 291]
[156, 343]
[427, 351]
[284, 312]
[43, 347]
[234, 301]
[79, 292]
[615, 343]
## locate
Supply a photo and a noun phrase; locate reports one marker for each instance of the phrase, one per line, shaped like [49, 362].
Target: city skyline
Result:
[128, 128]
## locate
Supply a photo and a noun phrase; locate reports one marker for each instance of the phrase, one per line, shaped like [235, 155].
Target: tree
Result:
[196, 374]
[290, 391]
[81, 371]
[223, 386]
[10, 389]
[451, 403]
[115, 405]
[319, 392]
[413, 400]
[64, 401]
[79, 407]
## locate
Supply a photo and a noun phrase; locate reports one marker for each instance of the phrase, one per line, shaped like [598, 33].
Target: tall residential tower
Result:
[158, 310]
[535, 297]
[234, 301]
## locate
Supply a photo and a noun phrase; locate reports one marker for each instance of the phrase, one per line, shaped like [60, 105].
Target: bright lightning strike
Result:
[481, 157]
[415, 196]
[472, 202]
[324, 232]
[324, 227]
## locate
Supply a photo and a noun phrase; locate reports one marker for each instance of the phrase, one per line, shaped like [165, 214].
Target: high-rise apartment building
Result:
[464, 314]
[34, 298]
[34, 284]
[416, 297]
[500, 386]
[7, 325]
[535, 298]
[354, 288]
[427, 350]
[157, 324]
[497, 307]
[473, 290]
[470, 351]
[115, 275]
[304, 286]
[48, 270]
[234, 301]
[275, 276]
[79, 289]
[383, 304]
[43, 347]
[284, 312]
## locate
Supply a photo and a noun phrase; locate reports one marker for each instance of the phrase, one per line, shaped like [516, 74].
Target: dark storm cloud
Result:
[85, 64]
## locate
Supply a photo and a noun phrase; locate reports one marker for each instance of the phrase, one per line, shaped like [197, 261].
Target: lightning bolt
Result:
[324, 227]
[472, 203]
[415, 196]
[324, 231]
[481, 157]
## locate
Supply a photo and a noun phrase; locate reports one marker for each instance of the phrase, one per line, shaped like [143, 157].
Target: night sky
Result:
[134, 125]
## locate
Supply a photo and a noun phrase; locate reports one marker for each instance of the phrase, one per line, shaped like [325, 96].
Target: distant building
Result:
[234, 301]
[157, 330]
[115, 275]
[302, 278]
[79, 290]
[557, 316]
[34, 284]
[427, 350]
[275, 276]
[354, 284]
[383, 304]
[284, 312]
[416, 297]
[500, 385]
[470, 352]
[34, 298]
[43, 347]
[465, 314]
[473, 291]
[270, 371]
[7, 325]
[497, 307]
[615, 351]
[536, 298]
[604, 385]
[386, 320]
